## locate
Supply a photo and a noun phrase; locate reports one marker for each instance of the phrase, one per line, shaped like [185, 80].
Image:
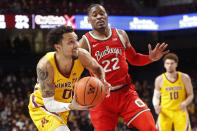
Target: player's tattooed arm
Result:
[45, 78]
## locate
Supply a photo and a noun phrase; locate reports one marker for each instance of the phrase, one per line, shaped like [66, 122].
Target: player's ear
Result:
[176, 64]
[88, 19]
[57, 47]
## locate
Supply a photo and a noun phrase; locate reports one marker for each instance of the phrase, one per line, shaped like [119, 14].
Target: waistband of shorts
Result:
[116, 88]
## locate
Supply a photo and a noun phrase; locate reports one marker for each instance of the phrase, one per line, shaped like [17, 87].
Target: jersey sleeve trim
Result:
[88, 42]
[120, 38]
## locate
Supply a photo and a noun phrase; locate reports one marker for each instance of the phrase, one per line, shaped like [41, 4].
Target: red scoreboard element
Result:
[32, 21]
[15, 21]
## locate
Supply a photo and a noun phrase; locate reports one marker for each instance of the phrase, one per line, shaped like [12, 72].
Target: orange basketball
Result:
[89, 91]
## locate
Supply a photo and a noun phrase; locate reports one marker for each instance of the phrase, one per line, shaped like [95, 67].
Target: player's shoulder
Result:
[83, 39]
[83, 43]
[159, 81]
[184, 76]
[159, 78]
[85, 36]
[44, 63]
[82, 51]
[122, 32]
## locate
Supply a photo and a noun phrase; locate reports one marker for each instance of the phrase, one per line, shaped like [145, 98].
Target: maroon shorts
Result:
[124, 103]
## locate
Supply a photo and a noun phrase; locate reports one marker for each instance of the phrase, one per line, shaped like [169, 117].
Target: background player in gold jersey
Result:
[57, 74]
[176, 91]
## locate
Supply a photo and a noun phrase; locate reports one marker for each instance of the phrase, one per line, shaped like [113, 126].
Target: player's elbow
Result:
[192, 96]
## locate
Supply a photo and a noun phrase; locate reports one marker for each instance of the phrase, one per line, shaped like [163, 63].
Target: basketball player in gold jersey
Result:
[57, 74]
[176, 91]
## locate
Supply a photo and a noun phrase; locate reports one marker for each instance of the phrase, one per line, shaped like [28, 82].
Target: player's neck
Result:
[64, 63]
[171, 74]
[101, 33]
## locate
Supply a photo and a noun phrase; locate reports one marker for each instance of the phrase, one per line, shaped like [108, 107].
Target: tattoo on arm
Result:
[49, 93]
[46, 88]
[41, 74]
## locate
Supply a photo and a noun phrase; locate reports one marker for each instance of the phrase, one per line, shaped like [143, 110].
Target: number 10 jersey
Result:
[172, 93]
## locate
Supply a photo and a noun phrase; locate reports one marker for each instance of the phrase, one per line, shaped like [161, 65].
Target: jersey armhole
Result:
[162, 80]
[88, 42]
[118, 34]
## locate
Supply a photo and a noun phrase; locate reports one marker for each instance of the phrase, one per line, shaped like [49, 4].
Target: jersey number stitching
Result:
[174, 95]
[107, 63]
[67, 93]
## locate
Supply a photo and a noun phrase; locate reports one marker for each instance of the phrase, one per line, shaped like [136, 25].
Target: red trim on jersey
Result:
[33, 99]
[136, 58]
[54, 113]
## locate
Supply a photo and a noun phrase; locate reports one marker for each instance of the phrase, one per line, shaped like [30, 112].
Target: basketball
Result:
[89, 91]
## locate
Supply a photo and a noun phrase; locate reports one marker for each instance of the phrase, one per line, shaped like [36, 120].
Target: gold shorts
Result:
[177, 120]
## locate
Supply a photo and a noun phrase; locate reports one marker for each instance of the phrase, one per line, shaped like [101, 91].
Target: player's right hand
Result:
[107, 87]
[157, 109]
[76, 106]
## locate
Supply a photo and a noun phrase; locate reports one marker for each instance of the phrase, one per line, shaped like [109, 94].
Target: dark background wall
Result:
[25, 54]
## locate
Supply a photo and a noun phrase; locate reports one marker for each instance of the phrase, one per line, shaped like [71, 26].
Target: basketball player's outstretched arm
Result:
[140, 59]
[189, 90]
[92, 65]
[45, 78]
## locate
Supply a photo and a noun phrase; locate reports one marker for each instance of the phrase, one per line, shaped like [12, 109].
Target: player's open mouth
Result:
[100, 22]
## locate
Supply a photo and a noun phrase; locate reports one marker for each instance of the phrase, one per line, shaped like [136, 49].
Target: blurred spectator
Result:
[193, 6]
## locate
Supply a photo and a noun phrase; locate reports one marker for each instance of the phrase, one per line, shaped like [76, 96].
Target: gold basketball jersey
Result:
[63, 85]
[172, 93]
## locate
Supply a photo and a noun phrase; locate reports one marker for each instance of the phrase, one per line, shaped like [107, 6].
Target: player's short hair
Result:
[55, 35]
[171, 56]
[93, 5]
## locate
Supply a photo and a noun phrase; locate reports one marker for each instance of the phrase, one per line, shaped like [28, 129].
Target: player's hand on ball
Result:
[76, 106]
[107, 87]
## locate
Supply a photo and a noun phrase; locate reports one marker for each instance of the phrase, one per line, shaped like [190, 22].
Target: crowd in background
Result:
[72, 7]
[17, 84]
[61, 6]
[14, 97]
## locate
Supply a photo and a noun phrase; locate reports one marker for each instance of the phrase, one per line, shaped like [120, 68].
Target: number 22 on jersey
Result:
[114, 62]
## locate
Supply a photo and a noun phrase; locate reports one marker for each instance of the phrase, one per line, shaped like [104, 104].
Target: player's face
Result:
[98, 17]
[69, 45]
[170, 65]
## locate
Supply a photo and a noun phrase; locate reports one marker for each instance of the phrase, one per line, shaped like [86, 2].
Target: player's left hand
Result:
[183, 106]
[76, 106]
[158, 51]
